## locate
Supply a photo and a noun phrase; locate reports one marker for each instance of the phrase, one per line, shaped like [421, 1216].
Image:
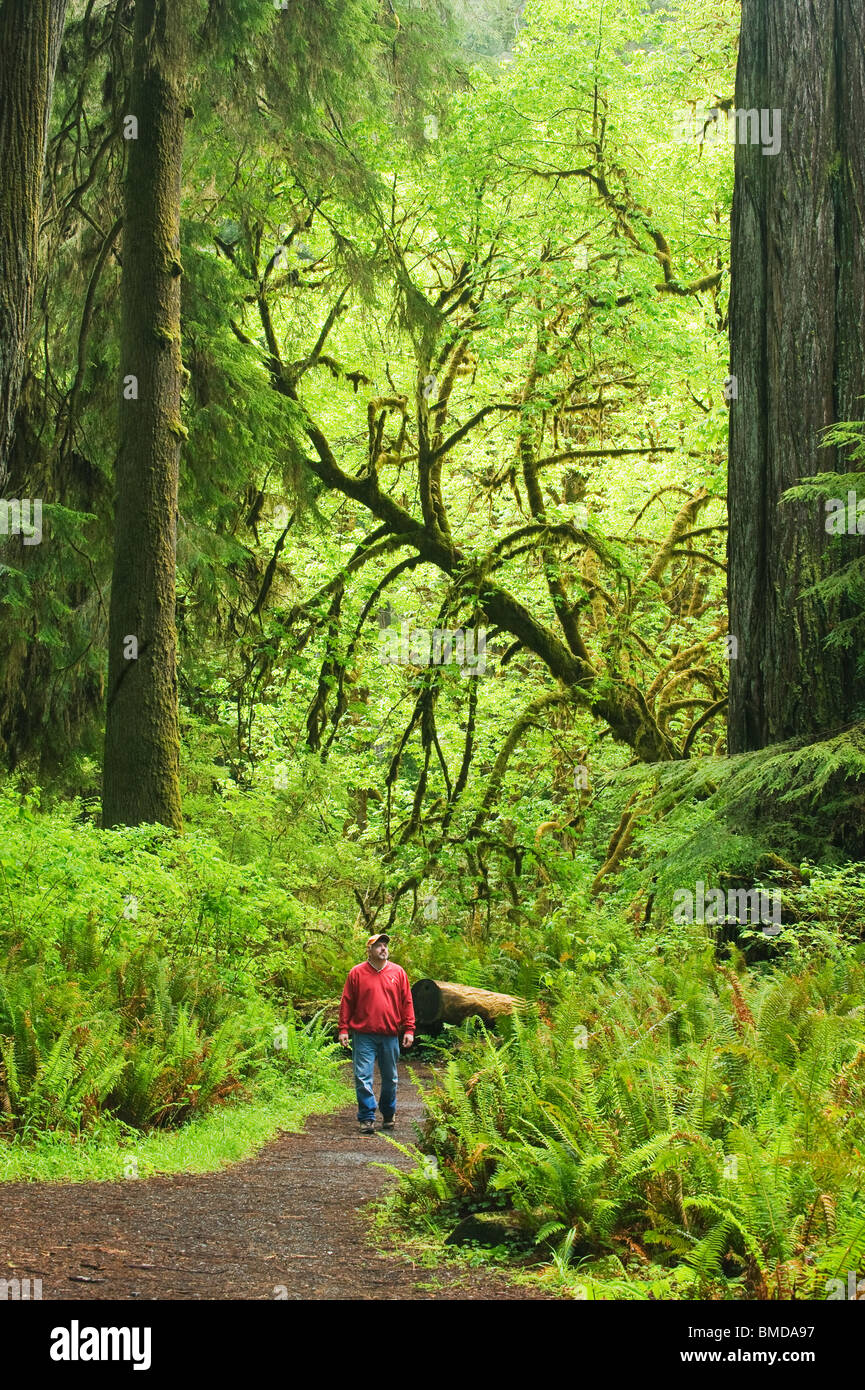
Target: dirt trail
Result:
[283, 1224]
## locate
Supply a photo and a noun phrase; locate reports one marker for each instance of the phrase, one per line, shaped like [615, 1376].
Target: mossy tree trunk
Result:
[30, 35]
[142, 754]
[797, 330]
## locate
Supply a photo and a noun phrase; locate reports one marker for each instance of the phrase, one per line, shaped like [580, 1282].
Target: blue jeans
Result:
[366, 1050]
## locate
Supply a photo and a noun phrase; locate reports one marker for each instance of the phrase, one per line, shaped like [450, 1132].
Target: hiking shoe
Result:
[367, 1127]
[388, 1124]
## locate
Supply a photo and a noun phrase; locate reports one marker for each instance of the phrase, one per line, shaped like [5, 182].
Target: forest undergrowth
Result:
[676, 1111]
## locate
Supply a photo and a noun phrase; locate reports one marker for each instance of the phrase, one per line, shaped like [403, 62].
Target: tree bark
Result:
[30, 35]
[439, 1001]
[797, 328]
[142, 754]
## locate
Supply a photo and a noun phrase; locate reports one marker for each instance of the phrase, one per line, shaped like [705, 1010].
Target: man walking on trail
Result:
[376, 1007]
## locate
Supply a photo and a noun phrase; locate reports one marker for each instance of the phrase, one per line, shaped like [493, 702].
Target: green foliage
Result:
[764, 818]
[147, 1018]
[358, 200]
[686, 1117]
[842, 585]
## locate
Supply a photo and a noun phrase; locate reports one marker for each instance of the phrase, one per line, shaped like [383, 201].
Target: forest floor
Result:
[285, 1224]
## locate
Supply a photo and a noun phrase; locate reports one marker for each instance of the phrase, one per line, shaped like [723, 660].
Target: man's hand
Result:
[345, 1039]
[408, 1040]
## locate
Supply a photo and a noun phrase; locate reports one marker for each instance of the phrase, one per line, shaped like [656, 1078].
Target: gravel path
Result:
[285, 1224]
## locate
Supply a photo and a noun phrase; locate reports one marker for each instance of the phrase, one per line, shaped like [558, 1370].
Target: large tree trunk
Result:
[441, 1001]
[141, 778]
[30, 34]
[797, 330]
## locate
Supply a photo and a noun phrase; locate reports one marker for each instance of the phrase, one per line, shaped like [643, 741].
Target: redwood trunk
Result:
[797, 330]
[141, 779]
[30, 35]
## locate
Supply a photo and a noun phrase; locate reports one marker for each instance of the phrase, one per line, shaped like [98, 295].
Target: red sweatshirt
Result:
[377, 1001]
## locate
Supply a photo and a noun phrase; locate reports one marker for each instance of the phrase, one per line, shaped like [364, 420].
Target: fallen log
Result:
[441, 1001]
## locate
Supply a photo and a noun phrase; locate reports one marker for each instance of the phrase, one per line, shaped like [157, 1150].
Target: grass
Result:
[225, 1135]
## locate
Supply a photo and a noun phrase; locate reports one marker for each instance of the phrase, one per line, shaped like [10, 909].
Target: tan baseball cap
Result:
[371, 940]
